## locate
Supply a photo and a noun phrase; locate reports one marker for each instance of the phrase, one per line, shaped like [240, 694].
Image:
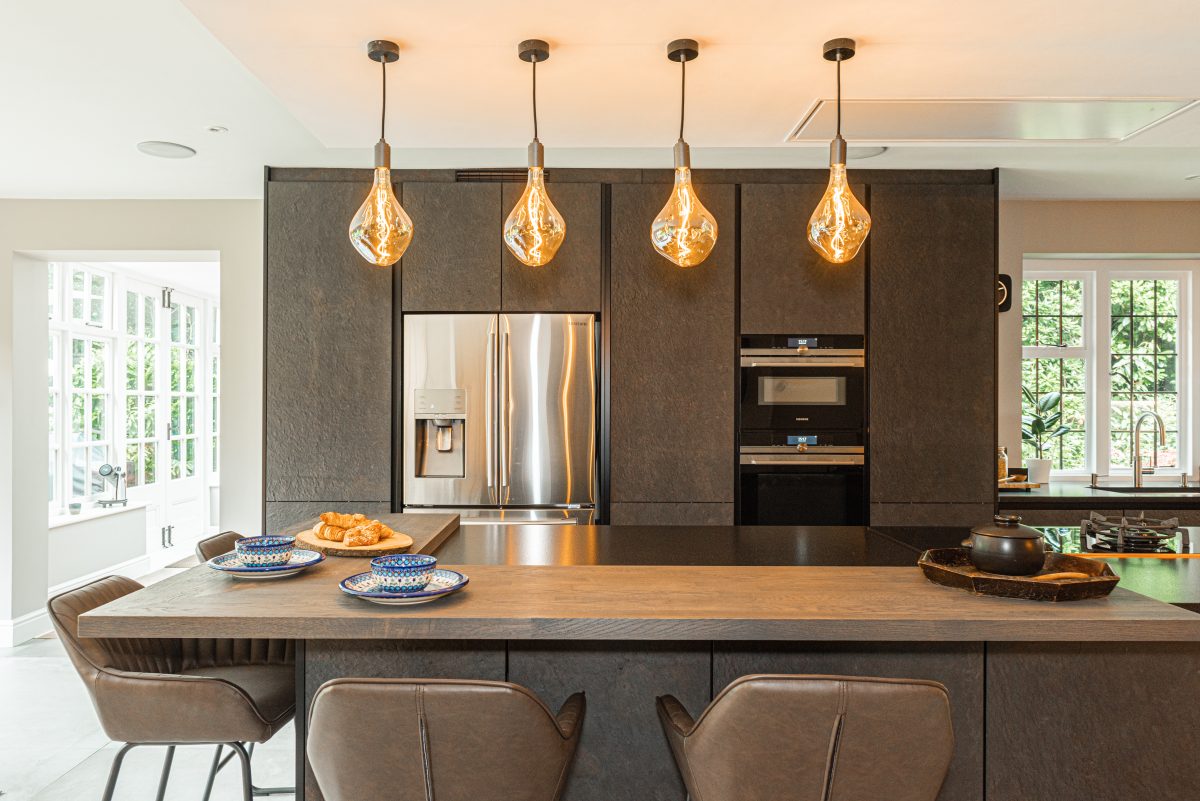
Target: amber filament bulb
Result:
[534, 229]
[684, 231]
[839, 226]
[381, 230]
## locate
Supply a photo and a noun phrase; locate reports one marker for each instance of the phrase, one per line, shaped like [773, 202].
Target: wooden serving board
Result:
[397, 543]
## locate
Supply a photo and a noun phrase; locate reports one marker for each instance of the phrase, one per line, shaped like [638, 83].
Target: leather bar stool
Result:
[814, 738]
[166, 691]
[444, 739]
[216, 545]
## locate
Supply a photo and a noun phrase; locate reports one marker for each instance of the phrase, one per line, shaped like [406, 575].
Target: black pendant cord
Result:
[383, 106]
[682, 93]
[839, 97]
[534, 62]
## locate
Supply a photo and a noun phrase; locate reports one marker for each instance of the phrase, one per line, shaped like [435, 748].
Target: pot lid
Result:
[1007, 526]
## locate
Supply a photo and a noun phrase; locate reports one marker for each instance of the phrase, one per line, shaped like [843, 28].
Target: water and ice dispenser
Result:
[441, 420]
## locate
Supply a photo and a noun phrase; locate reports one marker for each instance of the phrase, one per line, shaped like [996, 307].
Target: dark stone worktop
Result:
[1175, 581]
[1070, 495]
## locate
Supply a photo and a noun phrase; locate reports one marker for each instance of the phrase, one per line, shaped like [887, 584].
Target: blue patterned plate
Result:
[231, 563]
[362, 585]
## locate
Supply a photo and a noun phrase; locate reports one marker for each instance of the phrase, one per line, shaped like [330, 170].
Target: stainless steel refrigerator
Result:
[500, 416]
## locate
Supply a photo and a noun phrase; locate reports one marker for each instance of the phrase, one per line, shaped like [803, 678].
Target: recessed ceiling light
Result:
[217, 129]
[166, 150]
[864, 152]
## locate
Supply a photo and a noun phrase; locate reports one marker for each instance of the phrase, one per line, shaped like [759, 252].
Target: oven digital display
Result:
[802, 342]
[804, 439]
[802, 390]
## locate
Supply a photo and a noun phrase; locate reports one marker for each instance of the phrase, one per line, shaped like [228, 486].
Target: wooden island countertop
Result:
[633, 602]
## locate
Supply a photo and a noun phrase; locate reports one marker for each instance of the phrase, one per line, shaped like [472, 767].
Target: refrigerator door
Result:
[547, 412]
[449, 410]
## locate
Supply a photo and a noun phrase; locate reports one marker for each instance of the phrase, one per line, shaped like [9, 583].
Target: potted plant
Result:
[1040, 427]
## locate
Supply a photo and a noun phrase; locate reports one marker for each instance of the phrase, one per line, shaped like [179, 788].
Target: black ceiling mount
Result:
[839, 49]
[533, 50]
[683, 50]
[383, 50]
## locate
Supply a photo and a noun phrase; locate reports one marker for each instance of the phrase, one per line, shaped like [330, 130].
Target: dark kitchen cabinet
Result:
[932, 351]
[786, 287]
[672, 360]
[571, 282]
[453, 263]
[327, 351]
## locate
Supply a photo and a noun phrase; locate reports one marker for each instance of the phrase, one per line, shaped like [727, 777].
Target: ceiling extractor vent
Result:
[991, 120]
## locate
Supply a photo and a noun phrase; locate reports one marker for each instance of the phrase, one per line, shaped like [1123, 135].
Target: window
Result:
[214, 388]
[184, 393]
[141, 313]
[1105, 337]
[129, 382]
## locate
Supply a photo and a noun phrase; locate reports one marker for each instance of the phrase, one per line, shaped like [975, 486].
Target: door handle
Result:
[489, 408]
[504, 428]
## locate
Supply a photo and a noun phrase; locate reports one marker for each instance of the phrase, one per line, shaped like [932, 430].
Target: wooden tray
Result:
[952, 567]
[397, 543]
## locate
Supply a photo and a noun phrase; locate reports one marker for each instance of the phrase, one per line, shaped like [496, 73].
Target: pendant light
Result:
[534, 229]
[840, 224]
[381, 231]
[684, 231]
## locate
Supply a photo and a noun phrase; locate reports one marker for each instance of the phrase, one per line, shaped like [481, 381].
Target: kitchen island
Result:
[1034, 687]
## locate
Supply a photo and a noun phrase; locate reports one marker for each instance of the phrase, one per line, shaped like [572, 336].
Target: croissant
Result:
[343, 520]
[365, 534]
[324, 531]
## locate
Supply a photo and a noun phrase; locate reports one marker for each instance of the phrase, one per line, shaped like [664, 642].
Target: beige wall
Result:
[1128, 228]
[32, 228]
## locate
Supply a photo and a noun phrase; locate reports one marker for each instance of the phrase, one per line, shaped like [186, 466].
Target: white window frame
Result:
[1098, 275]
[62, 327]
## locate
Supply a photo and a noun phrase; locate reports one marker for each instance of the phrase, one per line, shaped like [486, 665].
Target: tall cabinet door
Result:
[453, 262]
[932, 354]
[328, 353]
[787, 288]
[672, 366]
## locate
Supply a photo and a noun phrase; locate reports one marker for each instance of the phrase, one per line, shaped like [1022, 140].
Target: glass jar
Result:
[1001, 463]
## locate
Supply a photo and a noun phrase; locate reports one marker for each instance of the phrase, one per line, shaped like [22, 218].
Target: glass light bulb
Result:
[839, 226]
[381, 231]
[534, 229]
[684, 231]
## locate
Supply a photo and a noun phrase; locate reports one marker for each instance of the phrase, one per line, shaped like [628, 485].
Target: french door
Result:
[162, 412]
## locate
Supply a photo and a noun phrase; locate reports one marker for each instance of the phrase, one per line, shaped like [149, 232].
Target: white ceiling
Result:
[82, 82]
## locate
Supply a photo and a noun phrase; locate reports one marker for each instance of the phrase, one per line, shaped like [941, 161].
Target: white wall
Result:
[32, 230]
[1046, 228]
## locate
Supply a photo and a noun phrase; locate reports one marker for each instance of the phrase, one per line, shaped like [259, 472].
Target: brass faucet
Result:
[1137, 445]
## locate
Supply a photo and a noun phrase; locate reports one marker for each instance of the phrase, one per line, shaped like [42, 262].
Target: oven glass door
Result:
[810, 397]
[802, 496]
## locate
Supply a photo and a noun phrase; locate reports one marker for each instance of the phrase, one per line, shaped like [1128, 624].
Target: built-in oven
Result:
[792, 382]
[801, 479]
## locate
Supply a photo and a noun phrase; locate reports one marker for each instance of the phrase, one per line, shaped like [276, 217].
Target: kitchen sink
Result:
[1155, 489]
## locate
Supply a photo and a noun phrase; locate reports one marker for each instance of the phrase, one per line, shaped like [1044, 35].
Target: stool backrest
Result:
[216, 545]
[443, 739]
[819, 738]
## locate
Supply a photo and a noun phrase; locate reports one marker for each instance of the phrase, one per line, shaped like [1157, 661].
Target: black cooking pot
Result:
[1006, 547]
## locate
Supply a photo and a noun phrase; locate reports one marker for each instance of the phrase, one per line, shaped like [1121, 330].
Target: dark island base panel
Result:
[1069, 722]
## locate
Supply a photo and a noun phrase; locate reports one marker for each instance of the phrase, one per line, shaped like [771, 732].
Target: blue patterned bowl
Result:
[405, 572]
[264, 551]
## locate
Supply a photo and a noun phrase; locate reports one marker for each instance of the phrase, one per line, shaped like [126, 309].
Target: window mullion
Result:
[1099, 373]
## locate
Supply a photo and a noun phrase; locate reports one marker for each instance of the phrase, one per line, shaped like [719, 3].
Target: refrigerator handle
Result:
[503, 429]
[489, 407]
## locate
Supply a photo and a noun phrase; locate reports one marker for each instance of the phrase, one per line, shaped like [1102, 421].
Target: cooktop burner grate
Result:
[1132, 535]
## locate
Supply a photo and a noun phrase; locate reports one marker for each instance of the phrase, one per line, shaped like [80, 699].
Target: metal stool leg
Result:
[166, 774]
[212, 772]
[115, 771]
[247, 789]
